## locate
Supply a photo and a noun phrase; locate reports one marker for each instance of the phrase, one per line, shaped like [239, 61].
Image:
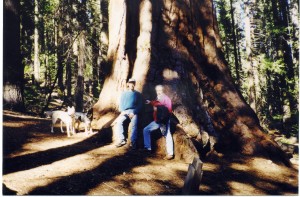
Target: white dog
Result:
[65, 117]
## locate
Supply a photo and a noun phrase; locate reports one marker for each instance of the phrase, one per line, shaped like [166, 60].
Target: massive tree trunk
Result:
[175, 43]
[13, 69]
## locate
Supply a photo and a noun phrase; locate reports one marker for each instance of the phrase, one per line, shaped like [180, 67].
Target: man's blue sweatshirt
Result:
[131, 100]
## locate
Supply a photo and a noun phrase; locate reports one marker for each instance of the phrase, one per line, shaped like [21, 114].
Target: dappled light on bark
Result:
[143, 56]
[178, 45]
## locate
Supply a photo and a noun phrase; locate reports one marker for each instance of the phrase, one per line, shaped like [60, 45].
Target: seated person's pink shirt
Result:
[166, 101]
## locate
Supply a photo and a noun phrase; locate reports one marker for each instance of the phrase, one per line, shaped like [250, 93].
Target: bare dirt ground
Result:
[38, 162]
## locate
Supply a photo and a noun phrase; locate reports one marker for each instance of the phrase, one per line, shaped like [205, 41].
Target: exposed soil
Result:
[38, 162]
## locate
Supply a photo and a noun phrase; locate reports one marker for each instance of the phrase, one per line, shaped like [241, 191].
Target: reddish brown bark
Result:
[178, 46]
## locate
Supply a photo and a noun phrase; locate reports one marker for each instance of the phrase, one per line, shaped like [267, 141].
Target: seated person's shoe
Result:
[133, 146]
[163, 129]
[122, 143]
[147, 150]
[168, 157]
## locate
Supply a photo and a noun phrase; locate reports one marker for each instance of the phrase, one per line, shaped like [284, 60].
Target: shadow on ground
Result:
[227, 175]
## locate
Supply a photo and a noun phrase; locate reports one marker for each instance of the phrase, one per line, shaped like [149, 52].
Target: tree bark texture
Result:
[176, 43]
[36, 61]
[13, 69]
[235, 50]
[80, 77]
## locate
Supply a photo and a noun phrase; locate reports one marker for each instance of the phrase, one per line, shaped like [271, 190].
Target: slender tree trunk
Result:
[60, 47]
[288, 56]
[80, 77]
[36, 61]
[95, 65]
[103, 63]
[69, 76]
[235, 52]
[178, 46]
[69, 53]
[284, 51]
[13, 69]
[60, 66]
[250, 69]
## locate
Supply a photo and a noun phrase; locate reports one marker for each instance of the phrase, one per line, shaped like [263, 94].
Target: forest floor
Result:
[38, 162]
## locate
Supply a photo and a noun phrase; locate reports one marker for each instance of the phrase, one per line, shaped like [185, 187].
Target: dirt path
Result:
[37, 162]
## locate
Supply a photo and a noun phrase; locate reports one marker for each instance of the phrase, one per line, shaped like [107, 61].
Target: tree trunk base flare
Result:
[256, 143]
[184, 148]
[203, 145]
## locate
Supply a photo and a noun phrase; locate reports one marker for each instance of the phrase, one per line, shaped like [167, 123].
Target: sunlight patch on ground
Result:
[238, 166]
[267, 168]
[18, 115]
[42, 142]
[205, 188]
[211, 167]
[243, 189]
[145, 180]
[46, 174]
[14, 125]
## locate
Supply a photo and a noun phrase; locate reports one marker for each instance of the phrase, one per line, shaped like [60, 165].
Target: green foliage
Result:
[276, 67]
[60, 23]
[34, 100]
[273, 86]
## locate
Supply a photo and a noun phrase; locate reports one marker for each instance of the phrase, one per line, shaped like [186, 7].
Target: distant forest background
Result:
[64, 45]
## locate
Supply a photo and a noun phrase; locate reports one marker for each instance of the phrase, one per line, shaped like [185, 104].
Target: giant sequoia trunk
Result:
[176, 43]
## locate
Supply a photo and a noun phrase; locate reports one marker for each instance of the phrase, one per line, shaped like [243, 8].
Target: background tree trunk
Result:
[117, 71]
[36, 60]
[235, 50]
[80, 77]
[60, 46]
[178, 46]
[13, 69]
[249, 64]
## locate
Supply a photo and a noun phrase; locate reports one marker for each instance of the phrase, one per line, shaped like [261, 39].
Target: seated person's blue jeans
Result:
[134, 126]
[154, 126]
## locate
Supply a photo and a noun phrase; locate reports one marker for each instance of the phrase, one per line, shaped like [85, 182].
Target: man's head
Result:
[131, 84]
[159, 91]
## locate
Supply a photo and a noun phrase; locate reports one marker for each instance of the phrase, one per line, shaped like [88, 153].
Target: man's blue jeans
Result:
[154, 126]
[122, 119]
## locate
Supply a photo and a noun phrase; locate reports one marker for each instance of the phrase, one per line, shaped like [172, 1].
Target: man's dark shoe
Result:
[122, 143]
[147, 151]
[132, 146]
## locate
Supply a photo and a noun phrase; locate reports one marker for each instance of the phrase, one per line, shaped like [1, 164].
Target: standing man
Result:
[164, 100]
[130, 106]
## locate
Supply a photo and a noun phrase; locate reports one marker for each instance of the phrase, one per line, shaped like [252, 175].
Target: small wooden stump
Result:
[193, 177]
